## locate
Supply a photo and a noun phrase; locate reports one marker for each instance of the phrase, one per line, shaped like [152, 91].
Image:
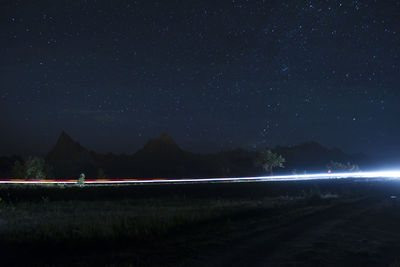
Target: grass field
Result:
[150, 225]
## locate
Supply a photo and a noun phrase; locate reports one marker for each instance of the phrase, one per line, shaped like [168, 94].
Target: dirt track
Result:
[360, 233]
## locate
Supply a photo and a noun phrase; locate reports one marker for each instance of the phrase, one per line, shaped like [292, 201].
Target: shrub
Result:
[33, 168]
[341, 167]
[81, 180]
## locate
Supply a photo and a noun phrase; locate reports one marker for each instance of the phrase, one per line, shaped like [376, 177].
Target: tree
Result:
[269, 160]
[32, 168]
[341, 167]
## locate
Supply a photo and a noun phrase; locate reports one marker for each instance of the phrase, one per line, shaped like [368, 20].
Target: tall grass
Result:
[71, 221]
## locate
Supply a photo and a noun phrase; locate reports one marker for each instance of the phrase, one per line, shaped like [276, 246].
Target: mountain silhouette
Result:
[162, 157]
[69, 158]
[67, 149]
[159, 147]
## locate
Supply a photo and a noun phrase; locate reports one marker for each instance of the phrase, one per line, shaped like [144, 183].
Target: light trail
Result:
[277, 178]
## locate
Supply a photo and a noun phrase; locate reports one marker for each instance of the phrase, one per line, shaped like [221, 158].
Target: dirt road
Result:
[364, 232]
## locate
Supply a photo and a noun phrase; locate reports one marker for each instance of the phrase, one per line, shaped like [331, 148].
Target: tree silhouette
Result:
[269, 160]
[33, 168]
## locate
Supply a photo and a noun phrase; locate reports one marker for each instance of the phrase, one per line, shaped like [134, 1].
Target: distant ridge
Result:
[162, 157]
[312, 156]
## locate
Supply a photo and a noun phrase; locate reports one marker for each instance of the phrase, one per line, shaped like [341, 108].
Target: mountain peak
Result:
[160, 146]
[64, 137]
[166, 138]
[65, 148]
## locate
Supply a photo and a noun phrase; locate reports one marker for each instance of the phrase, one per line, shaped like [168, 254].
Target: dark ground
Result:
[318, 223]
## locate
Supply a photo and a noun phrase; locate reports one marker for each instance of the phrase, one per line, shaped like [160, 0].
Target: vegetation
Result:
[81, 180]
[97, 224]
[269, 160]
[104, 216]
[32, 168]
[110, 220]
[341, 167]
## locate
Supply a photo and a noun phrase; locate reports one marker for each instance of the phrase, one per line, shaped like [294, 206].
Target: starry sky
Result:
[214, 75]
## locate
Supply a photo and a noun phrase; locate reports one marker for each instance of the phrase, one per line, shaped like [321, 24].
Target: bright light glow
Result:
[295, 177]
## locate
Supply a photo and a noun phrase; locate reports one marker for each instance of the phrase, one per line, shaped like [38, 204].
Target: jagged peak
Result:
[164, 135]
[66, 140]
[65, 147]
[165, 138]
[64, 137]
[160, 144]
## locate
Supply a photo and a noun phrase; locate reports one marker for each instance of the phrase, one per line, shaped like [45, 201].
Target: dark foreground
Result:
[318, 223]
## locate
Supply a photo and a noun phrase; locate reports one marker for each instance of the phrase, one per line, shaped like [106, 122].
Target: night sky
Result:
[212, 74]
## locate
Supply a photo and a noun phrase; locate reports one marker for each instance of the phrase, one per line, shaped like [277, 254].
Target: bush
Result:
[341, 167]
[33, 168]
[81, 180]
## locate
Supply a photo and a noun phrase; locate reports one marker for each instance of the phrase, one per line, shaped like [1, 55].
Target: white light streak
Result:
[277, 178]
